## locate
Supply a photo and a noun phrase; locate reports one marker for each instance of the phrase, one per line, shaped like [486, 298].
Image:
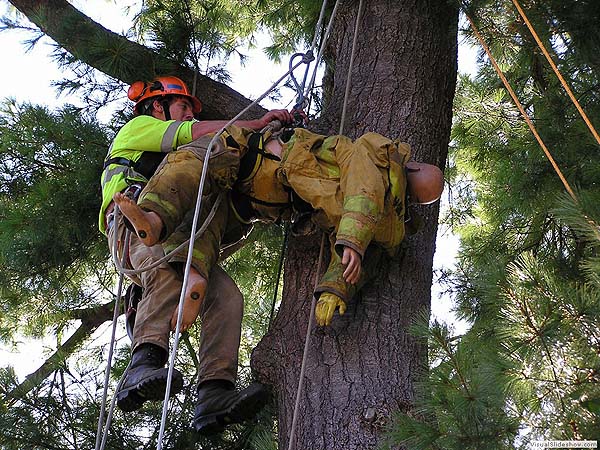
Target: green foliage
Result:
[527, 276]
[189, 30]
[461, 402]
[50, 165]
[198, 33]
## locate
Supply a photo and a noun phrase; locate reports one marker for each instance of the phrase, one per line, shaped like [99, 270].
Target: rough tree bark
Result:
[364, 367]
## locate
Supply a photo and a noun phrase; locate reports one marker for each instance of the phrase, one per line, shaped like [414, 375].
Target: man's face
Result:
[181, 109]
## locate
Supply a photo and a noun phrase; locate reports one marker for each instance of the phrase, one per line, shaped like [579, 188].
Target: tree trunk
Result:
[364, 366]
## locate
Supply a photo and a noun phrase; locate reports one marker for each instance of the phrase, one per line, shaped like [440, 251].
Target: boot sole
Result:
[251, 401]
[150, 388]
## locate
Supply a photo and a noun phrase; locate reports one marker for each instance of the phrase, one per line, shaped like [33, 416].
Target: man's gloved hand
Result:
[326, 307]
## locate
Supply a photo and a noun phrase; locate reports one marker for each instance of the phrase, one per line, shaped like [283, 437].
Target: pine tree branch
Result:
[91, 319]
[530, 322]
[81, 36]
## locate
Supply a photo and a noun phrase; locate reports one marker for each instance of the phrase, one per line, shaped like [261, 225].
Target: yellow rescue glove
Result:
[326, 307]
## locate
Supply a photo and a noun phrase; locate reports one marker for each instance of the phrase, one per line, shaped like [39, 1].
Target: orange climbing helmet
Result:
[160, 87]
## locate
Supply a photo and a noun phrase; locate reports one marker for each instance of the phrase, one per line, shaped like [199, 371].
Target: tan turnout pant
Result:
[221, 313]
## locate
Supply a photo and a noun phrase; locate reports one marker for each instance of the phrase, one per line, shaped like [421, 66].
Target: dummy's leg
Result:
[194, 296]
[195, 293]
[163, 202]
[147, 224]
[364, 189]
[204, 257]
[172, 191]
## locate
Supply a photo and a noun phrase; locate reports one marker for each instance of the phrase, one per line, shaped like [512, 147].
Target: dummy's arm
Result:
[352, 263]
[328, 302]
[326, 306]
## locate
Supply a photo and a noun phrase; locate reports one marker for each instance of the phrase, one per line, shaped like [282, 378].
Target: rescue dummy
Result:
[164, 121]
[355, 191]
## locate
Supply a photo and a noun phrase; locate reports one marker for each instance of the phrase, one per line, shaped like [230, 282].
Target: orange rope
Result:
[522, 110]
[557, 72]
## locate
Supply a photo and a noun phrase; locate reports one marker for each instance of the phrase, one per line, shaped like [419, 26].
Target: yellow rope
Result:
[521, 109]
[557, 72]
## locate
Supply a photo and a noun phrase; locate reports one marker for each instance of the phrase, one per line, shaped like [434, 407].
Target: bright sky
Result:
[27, 76]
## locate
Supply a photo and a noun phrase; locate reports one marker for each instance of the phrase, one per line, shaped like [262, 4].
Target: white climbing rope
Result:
[311, 85]
[301, 99]
[111, 347]
[191, 246]
[351, 65]
[314, 300]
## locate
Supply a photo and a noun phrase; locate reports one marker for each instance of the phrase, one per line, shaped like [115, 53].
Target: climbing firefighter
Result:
[164, 120]
[355, 191]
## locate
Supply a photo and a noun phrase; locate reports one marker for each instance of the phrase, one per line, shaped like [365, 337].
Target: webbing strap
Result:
[108, 174]
[251, 161]
[119, 161]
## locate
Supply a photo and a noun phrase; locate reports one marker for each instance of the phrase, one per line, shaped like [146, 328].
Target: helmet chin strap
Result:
[165, 105]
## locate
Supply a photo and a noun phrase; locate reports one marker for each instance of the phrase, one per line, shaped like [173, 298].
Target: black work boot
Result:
[220, 405]
[146, 378]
